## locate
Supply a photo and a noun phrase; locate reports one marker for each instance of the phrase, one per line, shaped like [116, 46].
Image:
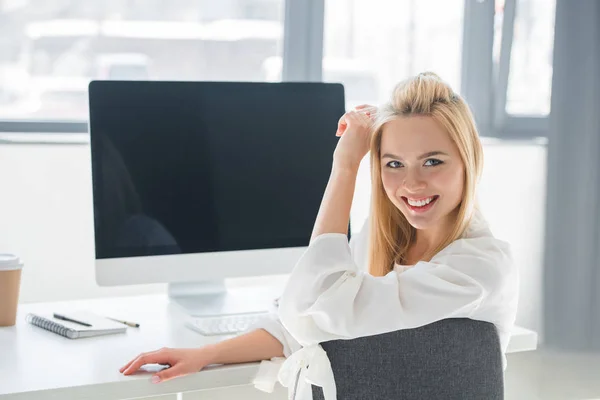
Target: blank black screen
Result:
[191, 167]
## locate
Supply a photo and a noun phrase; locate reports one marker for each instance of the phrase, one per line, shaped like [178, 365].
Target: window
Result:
[530, 72]
[51, 49]
[370, 45]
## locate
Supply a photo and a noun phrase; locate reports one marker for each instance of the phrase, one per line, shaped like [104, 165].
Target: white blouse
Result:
[330, 296]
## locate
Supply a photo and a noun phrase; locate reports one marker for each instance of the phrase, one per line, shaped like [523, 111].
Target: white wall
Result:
[46, 217]
[513, 198]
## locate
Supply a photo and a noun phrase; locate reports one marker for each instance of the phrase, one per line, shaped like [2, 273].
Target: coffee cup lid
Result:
[9, 262]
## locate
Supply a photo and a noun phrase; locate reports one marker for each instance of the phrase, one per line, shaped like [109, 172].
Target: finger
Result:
[365, 119]
[369, 111]
[342, 124]
[349, 120]
[124, 367]
[167, 374]
[340, 130]
[354, 117]
[359, 116]
[148, 358]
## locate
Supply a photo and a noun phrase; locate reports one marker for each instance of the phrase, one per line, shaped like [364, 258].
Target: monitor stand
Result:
[213, 298]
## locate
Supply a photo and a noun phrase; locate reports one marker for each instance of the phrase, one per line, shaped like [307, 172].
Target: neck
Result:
[427, 240]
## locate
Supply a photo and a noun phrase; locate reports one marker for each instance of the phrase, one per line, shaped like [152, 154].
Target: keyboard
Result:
[226, 324]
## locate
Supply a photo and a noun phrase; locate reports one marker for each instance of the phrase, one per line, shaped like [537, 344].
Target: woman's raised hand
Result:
[354, 128]
[366, 109]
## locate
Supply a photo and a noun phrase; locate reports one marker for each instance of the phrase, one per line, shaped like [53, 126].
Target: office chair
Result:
[450, 359]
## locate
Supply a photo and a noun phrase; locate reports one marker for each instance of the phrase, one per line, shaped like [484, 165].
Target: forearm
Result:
[334, 213]
[253, 346]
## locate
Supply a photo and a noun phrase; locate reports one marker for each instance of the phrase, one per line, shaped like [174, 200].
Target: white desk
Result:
[37, 364]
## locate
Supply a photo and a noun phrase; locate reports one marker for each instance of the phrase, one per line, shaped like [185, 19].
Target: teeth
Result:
[420, 203]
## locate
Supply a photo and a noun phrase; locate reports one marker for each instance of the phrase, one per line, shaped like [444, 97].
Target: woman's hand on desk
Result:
[253, 346]
[181, 361]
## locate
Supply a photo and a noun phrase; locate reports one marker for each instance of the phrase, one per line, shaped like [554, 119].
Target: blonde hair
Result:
[426, 94]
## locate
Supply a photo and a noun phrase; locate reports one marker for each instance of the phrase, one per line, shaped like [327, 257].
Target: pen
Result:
[62, 317]
[131, 324]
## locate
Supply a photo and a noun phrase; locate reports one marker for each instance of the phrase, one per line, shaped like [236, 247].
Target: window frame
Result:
[486, 87]
[302, 53]
[303, 40]
[477, 69]
[510, 125]
[483, 84]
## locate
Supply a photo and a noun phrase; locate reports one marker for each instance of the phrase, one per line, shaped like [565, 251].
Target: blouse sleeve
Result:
[328, 297]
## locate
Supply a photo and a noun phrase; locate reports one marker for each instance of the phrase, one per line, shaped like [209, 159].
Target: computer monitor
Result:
[195, 182]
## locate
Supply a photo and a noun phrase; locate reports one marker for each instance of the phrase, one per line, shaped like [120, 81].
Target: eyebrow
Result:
[426, 155]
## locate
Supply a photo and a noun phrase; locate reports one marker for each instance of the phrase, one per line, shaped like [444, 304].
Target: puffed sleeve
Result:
[329, 297]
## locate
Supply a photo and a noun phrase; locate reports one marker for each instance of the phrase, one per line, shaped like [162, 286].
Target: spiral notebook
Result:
[100, 325]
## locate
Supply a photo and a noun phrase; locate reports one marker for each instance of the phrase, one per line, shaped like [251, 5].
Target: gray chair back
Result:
[450, 359]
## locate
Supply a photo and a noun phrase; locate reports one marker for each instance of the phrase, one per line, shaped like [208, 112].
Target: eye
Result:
[432, 162]
[394, 164]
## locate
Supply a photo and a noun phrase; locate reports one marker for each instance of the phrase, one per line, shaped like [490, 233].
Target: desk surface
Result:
[37, 364]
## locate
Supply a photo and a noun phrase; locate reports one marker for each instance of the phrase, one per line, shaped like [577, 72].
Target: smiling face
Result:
[421, 171]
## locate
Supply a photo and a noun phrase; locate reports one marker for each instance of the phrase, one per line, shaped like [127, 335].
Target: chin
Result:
[425, 221]
[421, 223]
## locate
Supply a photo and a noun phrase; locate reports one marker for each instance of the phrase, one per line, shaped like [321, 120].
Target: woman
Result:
[430, 253]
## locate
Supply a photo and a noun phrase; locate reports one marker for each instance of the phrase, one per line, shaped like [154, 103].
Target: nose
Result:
[413, 182]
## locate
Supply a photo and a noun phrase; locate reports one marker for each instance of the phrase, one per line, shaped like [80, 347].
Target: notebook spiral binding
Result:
[50, 325]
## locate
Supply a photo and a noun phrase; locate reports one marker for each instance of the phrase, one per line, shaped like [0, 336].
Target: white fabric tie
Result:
[294, 374]
[266, 377]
